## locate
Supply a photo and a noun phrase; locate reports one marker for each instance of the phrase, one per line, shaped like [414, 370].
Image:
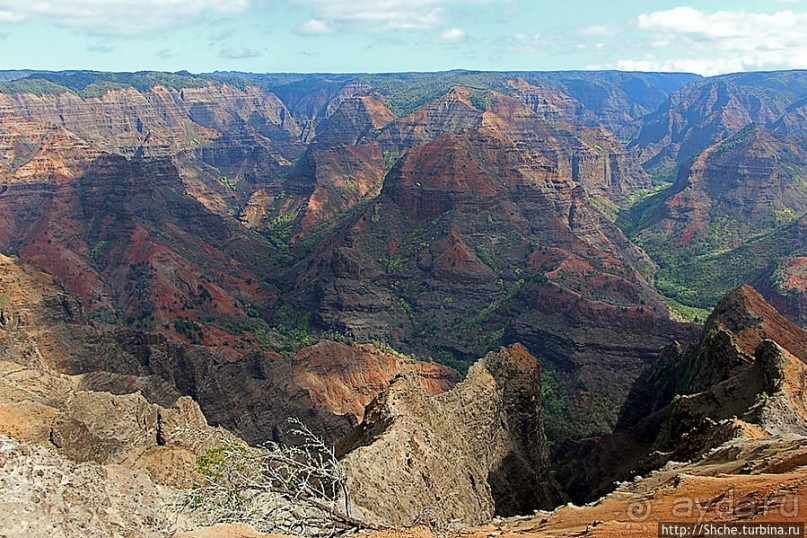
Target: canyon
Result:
[392, 258]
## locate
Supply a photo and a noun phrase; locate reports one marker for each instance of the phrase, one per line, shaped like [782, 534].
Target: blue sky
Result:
[708, 37]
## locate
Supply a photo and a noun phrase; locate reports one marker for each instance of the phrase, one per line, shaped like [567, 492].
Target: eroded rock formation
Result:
[745, 379]
[467, 454]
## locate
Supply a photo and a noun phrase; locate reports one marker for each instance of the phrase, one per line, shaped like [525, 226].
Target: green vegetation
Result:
[486, 254]
[326, 228]
[761, 397]
[640, 195]
[104, 315]
[663, 173]
[641, 208]
[351, 185]
[230, 183]
[390, 159]
[189, 329]
[93, 84]
[682, 312]
[571, 409]
[34, 86]
[483, 314]
[211, 463]
[725, 253]
[735, 142]
[101, 88]
[393, 264]
[783, 216]
[99, 250]
[289, 331]
[478, 332]
[701, 279]
[290, 489]
[406, 92]
[389, 350]
[376, 216]
[481, 98]
[138, 286]
[443, 357]
[447, 359]
[279, 229]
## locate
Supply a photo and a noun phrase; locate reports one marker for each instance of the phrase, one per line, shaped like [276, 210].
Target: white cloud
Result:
[452, 35]
[706, 67]
[315, 27]
[383, 15]
[239, 53]
[524, 42]
[599, 30]
[7, 15]
[687, 39]
[118, 16]
[379, 15]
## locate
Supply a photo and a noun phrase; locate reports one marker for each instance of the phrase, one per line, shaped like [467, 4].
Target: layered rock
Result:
[43, 340]
[54, 411]
[123, 235]
[111, 404]
[497, 205]
[160, 121]
[735, 150]
[746, 482]
[450, 113]
[326, 385]
[343, 166]
[734, 214]
[752, 182]
[743, 380]
[708, 111]
[467, 454]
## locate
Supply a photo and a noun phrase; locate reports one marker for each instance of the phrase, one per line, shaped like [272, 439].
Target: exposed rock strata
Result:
[744, 379]
[327, 385]
[467, 454]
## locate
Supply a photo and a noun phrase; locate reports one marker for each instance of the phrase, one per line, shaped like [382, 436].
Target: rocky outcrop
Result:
[342, 166]
[452, 112]
[128, 235]
[161, 120]
[124, 237]
[54, 411]
[784, 285]
[346, 378]
[44, 494]
[708, 111]
[467, 454]
[745, 378]
[734, 150]
[52, 392]
[113, 406]
[327, 385]
[746, 481]
[497, 205]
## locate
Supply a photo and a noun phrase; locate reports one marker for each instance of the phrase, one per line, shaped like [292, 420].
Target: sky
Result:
[350, 36]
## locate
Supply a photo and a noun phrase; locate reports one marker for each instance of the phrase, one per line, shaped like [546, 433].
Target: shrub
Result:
[277, 488]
